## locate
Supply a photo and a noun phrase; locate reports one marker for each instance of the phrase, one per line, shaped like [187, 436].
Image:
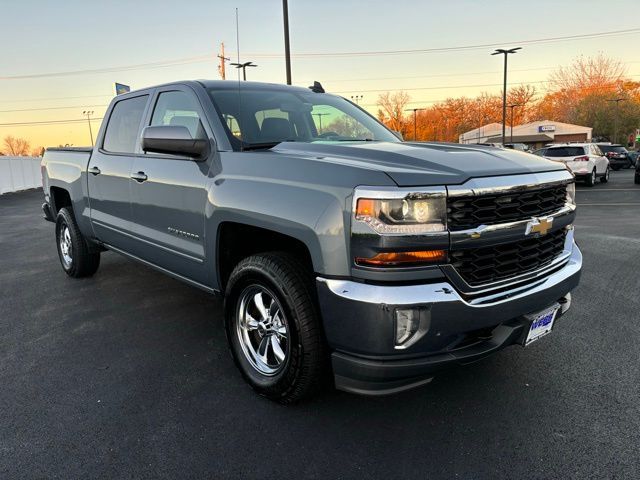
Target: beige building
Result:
[535, 134]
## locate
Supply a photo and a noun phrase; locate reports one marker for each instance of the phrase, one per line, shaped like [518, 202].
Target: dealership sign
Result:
[546, 128]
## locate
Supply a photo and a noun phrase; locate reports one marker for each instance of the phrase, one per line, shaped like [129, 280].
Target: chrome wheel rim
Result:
[606, 174]
[66, 249]
[593, 176]
[262, 330]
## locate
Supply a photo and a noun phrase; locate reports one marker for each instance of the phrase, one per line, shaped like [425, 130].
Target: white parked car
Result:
[585, 160]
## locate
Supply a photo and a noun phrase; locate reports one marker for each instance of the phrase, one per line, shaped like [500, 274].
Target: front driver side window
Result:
[178, 108]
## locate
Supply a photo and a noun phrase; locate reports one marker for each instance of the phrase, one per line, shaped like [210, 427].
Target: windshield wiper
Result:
[354, 140]
[258, 146]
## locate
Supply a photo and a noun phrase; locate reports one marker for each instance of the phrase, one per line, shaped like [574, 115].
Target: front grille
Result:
[474, 210]
[490, 264]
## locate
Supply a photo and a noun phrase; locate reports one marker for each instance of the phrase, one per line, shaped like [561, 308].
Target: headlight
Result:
[389, 213]
[571, 193]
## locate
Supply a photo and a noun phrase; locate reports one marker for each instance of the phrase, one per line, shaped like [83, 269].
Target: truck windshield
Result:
[262, 118]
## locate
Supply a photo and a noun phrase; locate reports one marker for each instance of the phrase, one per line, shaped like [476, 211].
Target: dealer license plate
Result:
[541, 324]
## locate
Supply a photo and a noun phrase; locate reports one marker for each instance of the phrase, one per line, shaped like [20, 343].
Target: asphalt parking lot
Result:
[127, 375]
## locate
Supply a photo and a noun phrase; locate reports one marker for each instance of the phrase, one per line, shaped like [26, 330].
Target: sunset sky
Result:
[51, 50]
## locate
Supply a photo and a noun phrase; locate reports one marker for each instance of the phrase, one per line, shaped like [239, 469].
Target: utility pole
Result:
[512, 107]
[287, 51]
[357, 98]
[223, 61]
[88, 114]
[320, 115]
[244, 66]
[415, 121]
[615, 121]
[502, 51]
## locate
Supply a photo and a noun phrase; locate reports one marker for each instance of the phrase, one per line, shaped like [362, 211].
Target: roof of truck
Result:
[234, 84]
[221, 85]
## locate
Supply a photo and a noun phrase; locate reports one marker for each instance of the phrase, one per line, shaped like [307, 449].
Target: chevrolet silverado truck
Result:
[342, 252]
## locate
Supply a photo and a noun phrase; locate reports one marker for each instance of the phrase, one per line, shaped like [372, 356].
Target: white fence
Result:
[19, 173]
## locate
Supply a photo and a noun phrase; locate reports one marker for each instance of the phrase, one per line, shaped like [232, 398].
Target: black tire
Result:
[84, 259]
[605, 177]
[615, 169]
[591, 179]
[283, 277]
[636, 179]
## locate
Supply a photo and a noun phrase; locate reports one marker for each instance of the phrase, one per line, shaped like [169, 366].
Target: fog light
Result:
[411, 325]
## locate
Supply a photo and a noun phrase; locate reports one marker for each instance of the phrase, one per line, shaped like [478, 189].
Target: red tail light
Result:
[584, 158]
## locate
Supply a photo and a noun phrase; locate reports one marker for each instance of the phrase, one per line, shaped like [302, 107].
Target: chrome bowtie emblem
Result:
[540, 225]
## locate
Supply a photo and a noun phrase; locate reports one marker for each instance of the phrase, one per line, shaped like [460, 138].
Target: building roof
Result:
[492, 132]
[540, 137]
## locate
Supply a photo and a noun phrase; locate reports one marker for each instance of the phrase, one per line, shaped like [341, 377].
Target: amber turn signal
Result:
[392, 259]
[365, 207]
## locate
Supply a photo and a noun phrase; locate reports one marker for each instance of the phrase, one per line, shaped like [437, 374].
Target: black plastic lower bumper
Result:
[359, 323]
[384, 377]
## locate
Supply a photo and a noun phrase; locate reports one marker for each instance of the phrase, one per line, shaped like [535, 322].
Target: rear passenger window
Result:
[565, 152]
[178, 109]
[122, 130]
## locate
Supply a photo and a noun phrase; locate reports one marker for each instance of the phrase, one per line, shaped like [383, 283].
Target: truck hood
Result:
[423, 164]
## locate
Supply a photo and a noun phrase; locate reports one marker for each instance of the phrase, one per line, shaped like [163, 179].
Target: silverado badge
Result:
[540, 225]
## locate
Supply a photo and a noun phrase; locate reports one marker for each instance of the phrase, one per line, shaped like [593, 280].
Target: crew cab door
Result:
[109, 172]
[169, 192]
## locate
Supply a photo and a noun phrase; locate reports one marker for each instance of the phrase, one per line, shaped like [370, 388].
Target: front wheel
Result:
[605, 177]
[76, 257]
[591, 179]
[273, 326]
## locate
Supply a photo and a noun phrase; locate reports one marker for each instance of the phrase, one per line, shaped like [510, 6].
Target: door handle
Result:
[139, 177]
[94, 171]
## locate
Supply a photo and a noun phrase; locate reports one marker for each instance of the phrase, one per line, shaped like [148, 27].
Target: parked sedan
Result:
[618, 155]
[585, 160]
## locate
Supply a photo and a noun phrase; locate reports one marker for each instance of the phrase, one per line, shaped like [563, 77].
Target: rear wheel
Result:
[605, 177]
[273, 326]
[76, 256]
[591, 179]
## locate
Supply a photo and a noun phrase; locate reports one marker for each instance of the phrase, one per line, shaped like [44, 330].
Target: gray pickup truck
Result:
[342, 252]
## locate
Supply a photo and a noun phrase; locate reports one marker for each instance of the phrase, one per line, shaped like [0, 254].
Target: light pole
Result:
[244, 66]
[512, 106]
[320, 115]
[88, 114]
[502, 51]
[287, 52]
[415, 121]
[357, 98]
[615, 121]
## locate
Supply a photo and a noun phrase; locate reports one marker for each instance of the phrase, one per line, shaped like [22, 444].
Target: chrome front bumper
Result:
[359, 324]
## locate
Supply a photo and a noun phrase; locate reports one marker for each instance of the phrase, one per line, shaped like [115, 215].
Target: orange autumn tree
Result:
[445, 121]
[580, 93]
[584, 93]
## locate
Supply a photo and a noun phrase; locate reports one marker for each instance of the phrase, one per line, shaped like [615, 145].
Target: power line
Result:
[207, 57]
[446, 87]
[584, 36]
[169, 63]
[45, 99]
[437, 75]
[52, 108]
[46, 122]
